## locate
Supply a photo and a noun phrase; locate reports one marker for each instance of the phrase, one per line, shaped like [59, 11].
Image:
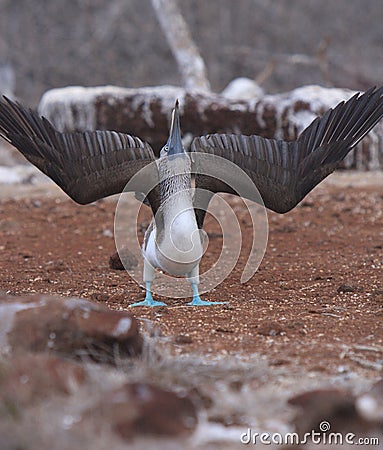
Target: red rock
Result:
[141, 409]
[345, 288]
[129, 261]
[327, 410]
[182, 339]
[28, 378]
[69, 326]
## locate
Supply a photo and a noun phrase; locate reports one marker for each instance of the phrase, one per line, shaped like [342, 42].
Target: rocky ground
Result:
[87, 374]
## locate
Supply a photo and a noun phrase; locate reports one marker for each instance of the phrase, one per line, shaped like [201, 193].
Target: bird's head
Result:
[174, 164]
[173, 158]
[174, 146]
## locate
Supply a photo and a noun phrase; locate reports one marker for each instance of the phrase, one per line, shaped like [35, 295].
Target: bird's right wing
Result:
[87, 165]
[284, 172]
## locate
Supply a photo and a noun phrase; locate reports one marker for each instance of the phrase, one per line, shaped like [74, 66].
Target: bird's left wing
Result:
[284, 172]
[87, 165]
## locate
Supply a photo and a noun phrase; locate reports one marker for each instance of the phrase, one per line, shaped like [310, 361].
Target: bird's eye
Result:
[166, 148]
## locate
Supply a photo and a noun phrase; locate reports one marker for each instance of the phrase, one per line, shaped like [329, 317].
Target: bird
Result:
[91, 165]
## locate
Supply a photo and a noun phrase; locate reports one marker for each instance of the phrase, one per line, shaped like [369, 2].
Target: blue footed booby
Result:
[92, 165]
[173, 242]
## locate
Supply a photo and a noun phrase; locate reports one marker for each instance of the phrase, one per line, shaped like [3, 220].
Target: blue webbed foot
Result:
[197, 301]
[149, 301]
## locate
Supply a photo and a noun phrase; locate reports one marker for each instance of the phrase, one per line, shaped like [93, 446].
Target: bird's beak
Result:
[174, 141]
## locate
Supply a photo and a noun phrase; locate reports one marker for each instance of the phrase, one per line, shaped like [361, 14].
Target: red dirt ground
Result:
[316, 300]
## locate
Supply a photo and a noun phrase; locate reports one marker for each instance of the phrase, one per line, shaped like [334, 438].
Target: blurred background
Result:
[282, 44]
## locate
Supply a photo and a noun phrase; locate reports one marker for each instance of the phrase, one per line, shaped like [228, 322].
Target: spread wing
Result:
[86, 165]
[285, 172]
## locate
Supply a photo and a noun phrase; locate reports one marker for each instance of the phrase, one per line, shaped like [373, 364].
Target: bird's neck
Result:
[176, 192]
[175, 182]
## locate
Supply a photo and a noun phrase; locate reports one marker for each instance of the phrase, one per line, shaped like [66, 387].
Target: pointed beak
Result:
[174, 141]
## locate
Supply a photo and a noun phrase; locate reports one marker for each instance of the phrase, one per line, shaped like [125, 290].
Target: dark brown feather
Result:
[285, 172]
[87, 165]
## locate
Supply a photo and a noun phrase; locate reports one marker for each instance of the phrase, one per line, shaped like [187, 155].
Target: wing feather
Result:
[285, 172]
[87, 165]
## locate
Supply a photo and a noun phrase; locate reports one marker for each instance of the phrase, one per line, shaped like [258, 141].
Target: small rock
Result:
[377, 293]
[141, 409]
[100, 297]
[223, 330]
[344, 288]
[129, 261]
[56, 266]
[279, 362]
[270, 329]
[183, 339]
[307, 204]
[107, 233]
[69, 326]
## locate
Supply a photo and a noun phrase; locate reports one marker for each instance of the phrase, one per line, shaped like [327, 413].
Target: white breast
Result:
[177, 249]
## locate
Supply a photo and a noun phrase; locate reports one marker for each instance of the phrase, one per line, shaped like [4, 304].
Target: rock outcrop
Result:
[53, 395]
[147, 409]
[145, 113]
[71, 327]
